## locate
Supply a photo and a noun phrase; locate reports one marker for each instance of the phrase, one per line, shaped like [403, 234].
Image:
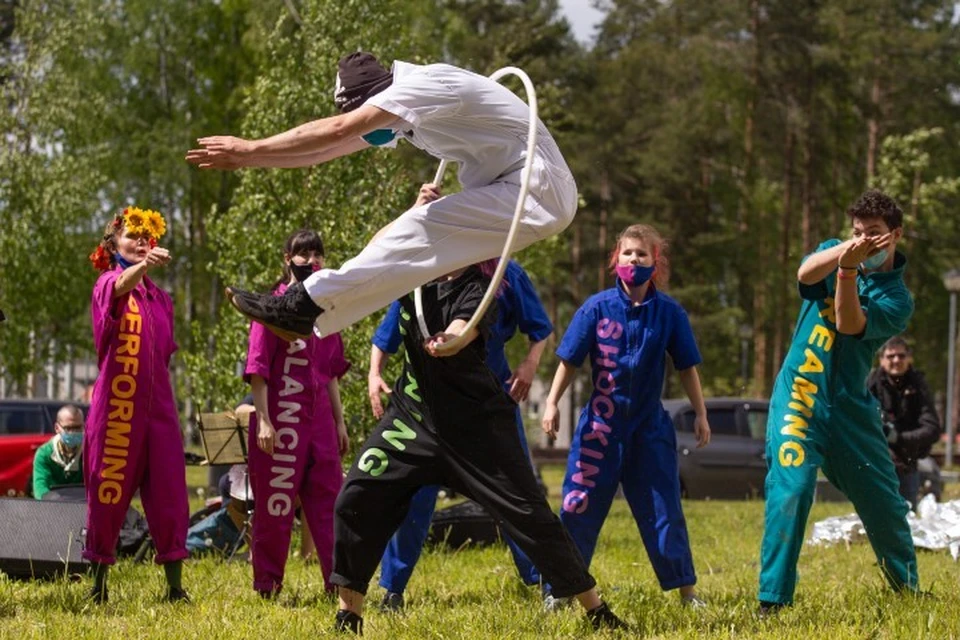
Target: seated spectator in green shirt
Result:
[60, 460]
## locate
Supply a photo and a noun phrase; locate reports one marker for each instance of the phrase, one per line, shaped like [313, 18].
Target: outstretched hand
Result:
[220, 152]
[157, 257]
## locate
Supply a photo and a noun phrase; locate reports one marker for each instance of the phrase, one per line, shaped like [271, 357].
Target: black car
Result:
[734, 465]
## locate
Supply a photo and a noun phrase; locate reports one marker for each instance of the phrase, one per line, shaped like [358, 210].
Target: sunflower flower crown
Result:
[144, 221]
[137, 221]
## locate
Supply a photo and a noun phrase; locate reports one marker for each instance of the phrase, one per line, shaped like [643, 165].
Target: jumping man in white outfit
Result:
[450, 113]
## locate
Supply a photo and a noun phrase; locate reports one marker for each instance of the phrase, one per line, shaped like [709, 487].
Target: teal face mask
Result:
[875, 261]
[379, 137]
[71, 439]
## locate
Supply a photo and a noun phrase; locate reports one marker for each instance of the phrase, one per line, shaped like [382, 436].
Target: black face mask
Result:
[302, 271]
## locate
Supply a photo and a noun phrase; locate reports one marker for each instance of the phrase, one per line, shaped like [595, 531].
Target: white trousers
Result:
[428, 242]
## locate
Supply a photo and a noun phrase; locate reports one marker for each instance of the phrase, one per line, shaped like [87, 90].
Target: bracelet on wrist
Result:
[840, 266]
[843, 274]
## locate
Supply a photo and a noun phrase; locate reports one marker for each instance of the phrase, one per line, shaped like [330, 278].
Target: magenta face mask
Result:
[635, 275]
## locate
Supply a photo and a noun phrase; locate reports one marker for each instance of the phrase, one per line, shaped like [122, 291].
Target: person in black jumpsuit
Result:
[449, 422]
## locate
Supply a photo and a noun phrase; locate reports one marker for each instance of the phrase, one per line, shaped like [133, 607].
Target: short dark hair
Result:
[873, 204]
[896, 342]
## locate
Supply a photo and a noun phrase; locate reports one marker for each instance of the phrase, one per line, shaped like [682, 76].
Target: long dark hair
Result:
[301, 241]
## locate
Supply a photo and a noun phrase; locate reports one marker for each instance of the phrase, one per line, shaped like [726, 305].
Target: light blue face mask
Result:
[875, 261]
[380, 137]
[71, 439]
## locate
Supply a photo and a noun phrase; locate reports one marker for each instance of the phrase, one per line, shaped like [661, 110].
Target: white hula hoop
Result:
[514, 225]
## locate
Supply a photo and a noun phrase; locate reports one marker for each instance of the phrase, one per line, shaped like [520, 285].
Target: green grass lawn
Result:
[473, 593]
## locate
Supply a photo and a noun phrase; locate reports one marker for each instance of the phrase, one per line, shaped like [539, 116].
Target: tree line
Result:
[740, 128]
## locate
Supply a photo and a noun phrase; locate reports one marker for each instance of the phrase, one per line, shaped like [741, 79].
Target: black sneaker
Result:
[602, 618]
[348, 622]
[768, 609]
[177, 595]
[290, 316]
[98, 595]
[392, 602]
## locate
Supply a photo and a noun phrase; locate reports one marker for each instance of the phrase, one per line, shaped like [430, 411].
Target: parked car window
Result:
[757, 422]
[21, 420]
[723, 422]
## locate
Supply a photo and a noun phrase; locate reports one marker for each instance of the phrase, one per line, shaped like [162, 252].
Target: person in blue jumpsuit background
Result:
[519, 308]
[821, 414]
[624, 435]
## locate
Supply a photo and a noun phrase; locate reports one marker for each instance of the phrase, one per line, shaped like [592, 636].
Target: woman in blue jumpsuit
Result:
[821, 414]
[624, 435]
[518, 307]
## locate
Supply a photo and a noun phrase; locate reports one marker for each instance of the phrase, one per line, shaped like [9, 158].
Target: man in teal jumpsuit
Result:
[821, 415]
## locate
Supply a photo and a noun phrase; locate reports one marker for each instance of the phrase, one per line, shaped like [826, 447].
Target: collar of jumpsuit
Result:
[628, 302]
[899, 264]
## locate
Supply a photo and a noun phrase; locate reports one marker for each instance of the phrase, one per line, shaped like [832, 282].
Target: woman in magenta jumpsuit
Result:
[132, 440]
[296, 445]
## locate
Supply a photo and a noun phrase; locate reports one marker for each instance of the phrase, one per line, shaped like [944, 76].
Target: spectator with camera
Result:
[910, 420]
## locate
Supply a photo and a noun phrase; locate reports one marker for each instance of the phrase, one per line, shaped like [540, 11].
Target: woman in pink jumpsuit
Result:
[300, 434]
[132, 440]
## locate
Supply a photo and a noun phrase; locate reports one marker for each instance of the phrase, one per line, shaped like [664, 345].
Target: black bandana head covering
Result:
[359, 76]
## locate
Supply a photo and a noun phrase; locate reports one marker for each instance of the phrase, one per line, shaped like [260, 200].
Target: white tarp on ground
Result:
[934, 527]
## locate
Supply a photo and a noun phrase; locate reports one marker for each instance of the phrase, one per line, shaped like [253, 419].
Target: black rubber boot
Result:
[175, 594]
[602, 618]
[348, 622]
[290, 316]
[392, 602]
[98, 594]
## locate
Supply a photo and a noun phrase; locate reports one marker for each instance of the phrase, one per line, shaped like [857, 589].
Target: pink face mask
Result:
[635, 275]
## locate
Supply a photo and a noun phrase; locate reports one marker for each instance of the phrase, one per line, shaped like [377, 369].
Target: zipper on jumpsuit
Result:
[639, 342]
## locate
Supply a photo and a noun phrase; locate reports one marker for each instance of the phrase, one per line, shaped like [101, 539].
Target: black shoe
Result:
[98, 595]
[392, 602]
[348, 622]
[768, 609]
[177, 595]
[290, 316]
[602, 618]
